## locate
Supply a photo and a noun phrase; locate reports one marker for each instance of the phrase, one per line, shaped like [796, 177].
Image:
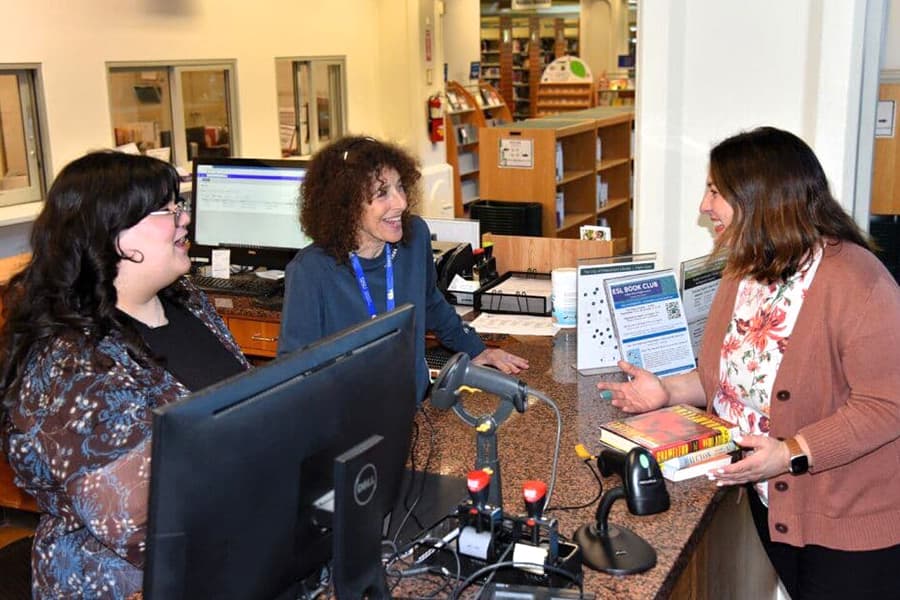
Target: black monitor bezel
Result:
[271, 257]
[182, 444]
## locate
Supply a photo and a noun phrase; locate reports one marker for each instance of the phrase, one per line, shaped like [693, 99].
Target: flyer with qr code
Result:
[649, 321]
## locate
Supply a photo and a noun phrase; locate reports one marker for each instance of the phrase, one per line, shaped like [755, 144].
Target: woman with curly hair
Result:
[369, 253]
[800, 351]
[101, 327]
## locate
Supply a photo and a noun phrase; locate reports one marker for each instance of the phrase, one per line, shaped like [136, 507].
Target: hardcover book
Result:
[669, 432]
[698, 463]
[696, 470]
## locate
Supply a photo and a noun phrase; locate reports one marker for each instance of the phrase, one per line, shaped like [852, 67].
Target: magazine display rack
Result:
[468, 110]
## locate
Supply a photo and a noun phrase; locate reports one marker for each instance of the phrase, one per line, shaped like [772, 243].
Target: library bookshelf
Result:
[575, 156]
[468, 109]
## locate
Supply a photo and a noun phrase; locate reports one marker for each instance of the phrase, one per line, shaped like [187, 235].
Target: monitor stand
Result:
[356, 563]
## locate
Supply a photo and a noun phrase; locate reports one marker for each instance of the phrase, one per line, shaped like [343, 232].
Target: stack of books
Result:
[685, 440]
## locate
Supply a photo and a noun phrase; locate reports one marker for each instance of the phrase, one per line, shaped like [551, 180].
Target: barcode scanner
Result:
[645, 488]
[616, 549]
[459, 371]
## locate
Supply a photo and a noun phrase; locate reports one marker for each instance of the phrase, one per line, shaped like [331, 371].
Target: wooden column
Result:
[885, 180]
[506, 61]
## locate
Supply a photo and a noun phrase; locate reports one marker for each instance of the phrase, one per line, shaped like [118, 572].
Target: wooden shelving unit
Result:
[566, 85]
[515, 49]
[580, 135]
[463, 121]
[540, 181]
[554, 98]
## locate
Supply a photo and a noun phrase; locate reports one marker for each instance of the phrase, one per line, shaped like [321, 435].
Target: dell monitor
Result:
[256, 481]
[248, 206]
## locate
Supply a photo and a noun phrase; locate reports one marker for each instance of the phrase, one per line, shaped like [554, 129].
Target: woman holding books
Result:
[799, 351]
[370, 254]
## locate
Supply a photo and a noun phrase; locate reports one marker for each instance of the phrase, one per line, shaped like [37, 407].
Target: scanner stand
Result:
[611, 548]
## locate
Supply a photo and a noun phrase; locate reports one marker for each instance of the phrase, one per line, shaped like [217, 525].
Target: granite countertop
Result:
[232, 305]
[525, 443]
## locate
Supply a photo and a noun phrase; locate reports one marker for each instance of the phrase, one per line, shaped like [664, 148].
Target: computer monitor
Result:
[248, 206]
[240, 470]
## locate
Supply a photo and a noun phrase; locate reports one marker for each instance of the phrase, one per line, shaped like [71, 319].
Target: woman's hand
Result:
[645, 391]
[501, 360]
[764, 458]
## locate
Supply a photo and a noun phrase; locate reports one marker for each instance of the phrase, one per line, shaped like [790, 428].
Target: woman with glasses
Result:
[101, 327]
[370, 254]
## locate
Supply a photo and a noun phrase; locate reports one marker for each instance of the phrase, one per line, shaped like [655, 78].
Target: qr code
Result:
[673, 310]
[635, 357]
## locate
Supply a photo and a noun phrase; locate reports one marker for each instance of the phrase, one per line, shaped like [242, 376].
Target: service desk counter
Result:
[705, 543]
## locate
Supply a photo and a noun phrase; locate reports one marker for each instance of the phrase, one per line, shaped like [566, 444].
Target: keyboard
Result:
[241, 286]
[437, 356]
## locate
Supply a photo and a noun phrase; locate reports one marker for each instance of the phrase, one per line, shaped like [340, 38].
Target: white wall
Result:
[710, 68]
[73, 42]
[382, 41]
[462, 40]
[890, 59]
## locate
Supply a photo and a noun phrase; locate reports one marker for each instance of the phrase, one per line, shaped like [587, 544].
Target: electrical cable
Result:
[410, 510]
[555, 408]
[589, 465]
[491, 576]
[439, 545]
[517, 564]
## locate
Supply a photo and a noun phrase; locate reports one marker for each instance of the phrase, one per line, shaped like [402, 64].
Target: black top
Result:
[189, 350]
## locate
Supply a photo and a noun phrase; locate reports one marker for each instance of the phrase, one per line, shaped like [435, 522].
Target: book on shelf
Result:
[669, 432]
[560, 208]
[699, 468]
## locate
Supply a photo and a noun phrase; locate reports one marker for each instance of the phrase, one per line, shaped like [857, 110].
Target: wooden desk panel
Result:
[10, 495]
[255, 337]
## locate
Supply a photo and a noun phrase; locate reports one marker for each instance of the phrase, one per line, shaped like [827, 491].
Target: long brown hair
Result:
[783, 208]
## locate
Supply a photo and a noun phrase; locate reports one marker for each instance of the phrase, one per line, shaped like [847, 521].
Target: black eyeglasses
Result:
[181, 207]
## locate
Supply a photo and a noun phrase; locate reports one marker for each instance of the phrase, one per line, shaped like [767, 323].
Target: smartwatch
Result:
[799, 461]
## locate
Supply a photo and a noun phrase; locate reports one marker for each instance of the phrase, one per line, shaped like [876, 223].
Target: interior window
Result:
[311, 103]
[174, 112]
[21, 175]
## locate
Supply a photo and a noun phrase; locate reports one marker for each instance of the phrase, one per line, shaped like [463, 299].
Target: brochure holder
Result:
[498, 298]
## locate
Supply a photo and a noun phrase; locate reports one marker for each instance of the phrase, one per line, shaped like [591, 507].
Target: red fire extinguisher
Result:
[435, 119]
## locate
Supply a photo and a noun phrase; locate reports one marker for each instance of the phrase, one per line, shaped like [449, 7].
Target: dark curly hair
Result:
[66, 289]
[339, 181]
[783, 207]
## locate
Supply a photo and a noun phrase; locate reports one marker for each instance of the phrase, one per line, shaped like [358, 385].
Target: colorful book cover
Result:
[669, 432]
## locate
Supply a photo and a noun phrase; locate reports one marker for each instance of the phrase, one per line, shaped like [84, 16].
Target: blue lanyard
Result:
[364, 285]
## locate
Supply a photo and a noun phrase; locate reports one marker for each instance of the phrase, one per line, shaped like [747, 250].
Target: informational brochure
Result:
[648, 317]
[700, 279]
[598, 350]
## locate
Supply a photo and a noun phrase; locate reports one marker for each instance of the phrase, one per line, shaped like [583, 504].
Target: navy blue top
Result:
[322, 297]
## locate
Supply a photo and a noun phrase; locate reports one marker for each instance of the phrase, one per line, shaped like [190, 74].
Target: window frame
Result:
[33, 113]
[312, 118]
[174, 69]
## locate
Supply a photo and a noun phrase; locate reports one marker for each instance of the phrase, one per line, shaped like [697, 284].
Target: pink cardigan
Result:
[838, 385]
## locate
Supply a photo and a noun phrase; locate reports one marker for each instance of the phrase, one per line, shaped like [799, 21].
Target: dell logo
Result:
[365, 485]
